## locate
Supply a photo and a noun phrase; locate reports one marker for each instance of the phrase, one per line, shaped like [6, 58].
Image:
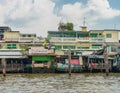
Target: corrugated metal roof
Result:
[4, 53]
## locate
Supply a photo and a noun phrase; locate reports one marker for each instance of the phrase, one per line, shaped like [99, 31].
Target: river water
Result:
[60, 83]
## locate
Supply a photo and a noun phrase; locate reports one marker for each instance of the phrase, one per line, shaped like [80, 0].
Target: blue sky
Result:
[40, 16]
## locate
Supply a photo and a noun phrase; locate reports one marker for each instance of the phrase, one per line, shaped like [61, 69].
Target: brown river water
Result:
[60, 83]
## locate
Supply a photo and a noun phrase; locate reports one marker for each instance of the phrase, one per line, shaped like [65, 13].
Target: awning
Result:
[12, 57]
[10, 53]
[41, 58]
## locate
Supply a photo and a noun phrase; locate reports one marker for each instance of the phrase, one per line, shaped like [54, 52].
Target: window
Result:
[113, 49]
[29, 35]
[93, 35]
[34, 35]
[14, 46]
[96, 46]
[72, 47]
[108, 36]
[83, 47]
[119, 49]
[11, 46]
[23, 36]
[58, 47]
[65, 47]
[100, 34]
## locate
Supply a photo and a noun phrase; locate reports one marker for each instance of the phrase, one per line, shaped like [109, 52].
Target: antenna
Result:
[84, 28]
[114, 26]
[84, 22]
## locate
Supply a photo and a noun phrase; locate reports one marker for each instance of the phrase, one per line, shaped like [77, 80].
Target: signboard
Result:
[39, 50]
[59, 52]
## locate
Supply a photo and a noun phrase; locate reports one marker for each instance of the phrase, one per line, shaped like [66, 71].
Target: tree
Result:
[62, 27]
[65, 26]
[47, 44]
[24, 48]
[69, 26]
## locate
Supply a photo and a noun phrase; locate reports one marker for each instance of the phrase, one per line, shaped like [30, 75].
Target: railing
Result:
[26, 39]
[83, 39]
[11, 39]
[58, 39]
[80, 39]
[96, 39]
[69, 39]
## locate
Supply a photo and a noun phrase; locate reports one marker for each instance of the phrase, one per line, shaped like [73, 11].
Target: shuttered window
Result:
[11, 46]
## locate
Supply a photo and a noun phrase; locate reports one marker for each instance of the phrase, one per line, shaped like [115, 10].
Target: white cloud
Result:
[35, 16]
[102, 9]
[93, 10]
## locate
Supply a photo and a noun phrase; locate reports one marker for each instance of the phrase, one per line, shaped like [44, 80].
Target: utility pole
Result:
[69, 55]
[106, 59]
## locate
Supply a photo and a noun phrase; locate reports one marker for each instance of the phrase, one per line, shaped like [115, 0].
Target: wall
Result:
[12, 36]
[114, 37]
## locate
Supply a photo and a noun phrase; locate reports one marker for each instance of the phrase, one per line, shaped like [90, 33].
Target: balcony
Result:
[26, 39]
[96, 39]
[11, 40]
[83, 39]
[68, 39]
[56, 39]
[59, 39]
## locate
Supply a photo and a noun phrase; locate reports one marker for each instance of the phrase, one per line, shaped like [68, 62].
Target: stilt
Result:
[4, 67]
[69, 55]
[106, 60]
[4, 72]
[32, 66]
[22, 66]
[12, 65]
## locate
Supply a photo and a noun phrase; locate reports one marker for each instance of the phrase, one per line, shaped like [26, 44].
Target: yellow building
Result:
[111, 35]
[83, 40]
[11, 36]
[10, 46]
[104, 35]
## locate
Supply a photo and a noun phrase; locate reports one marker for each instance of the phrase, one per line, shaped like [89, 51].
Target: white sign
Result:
[39, 50]
[59, 52]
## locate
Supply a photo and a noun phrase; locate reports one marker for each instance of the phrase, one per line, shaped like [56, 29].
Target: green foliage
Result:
[47, 39]
[62, 27]
[24, 48]
[69, 26]
[66, 26]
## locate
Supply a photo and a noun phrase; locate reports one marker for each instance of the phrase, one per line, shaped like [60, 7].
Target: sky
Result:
[40, 16]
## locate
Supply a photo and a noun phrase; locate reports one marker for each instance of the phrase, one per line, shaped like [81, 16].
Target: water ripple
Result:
[60, 83]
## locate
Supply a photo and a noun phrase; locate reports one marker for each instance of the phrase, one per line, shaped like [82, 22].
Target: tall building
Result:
[83, 41]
